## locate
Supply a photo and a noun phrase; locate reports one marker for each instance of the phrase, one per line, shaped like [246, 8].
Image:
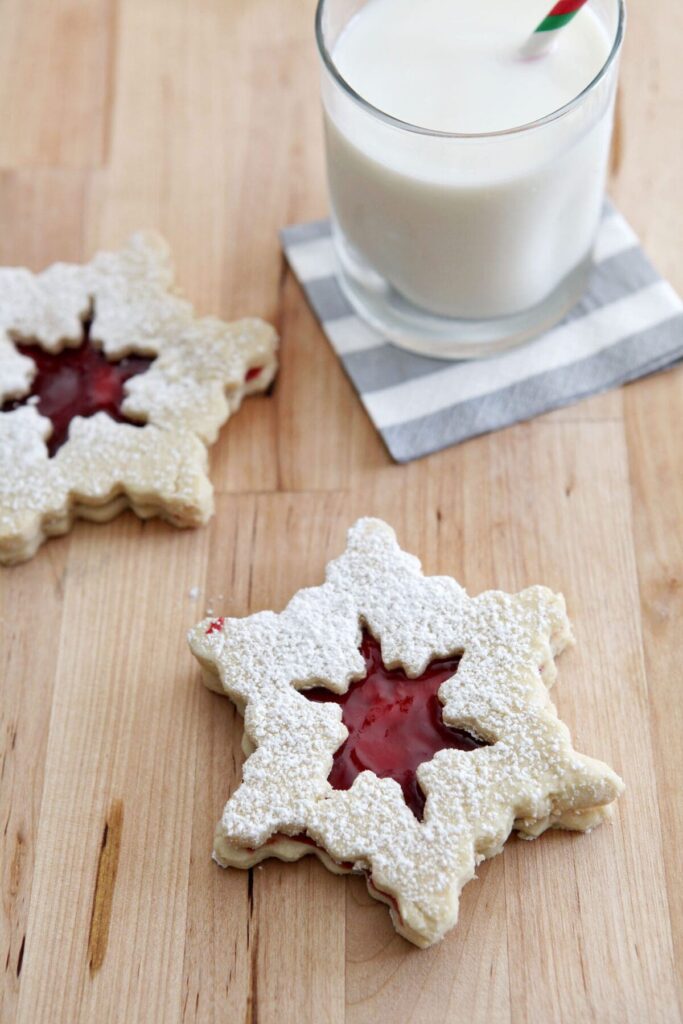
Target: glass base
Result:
[417, 330]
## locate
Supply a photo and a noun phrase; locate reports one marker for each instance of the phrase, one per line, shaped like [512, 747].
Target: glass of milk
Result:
[466, 181]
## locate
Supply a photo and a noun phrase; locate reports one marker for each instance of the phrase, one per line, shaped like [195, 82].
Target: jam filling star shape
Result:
[111, 391]
[395, 723]
[76, 382]
[396, 727]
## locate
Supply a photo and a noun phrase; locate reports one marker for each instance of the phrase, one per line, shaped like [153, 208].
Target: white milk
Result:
[468, 228]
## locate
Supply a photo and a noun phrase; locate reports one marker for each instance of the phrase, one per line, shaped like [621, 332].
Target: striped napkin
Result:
[629, 323]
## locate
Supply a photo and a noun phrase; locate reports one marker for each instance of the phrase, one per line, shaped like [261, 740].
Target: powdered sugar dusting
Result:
[530, 777]
[197, 379]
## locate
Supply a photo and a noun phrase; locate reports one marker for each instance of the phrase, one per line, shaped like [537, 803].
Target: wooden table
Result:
[202, 119]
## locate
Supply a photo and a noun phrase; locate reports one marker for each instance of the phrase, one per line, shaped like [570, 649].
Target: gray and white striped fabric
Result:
[628, 324]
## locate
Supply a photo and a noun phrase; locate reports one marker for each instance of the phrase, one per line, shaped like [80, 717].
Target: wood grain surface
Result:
[202, 120]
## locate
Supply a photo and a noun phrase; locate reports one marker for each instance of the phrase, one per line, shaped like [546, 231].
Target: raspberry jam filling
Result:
[80, 382]
[395, 723]
[77, 382]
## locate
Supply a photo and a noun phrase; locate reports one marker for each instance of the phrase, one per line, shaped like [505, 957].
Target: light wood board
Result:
[202, 120]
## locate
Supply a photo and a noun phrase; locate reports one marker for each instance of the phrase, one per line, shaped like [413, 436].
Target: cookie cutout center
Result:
[77, 382]
[395, 723]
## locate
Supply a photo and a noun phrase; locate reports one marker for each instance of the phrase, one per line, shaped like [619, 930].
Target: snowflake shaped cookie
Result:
[111, 389]
[399, 728]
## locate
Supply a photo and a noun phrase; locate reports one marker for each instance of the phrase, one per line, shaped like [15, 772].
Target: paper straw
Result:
[545, 35]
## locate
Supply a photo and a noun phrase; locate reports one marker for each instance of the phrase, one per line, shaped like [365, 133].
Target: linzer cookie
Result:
[399, 728]
[111, 389]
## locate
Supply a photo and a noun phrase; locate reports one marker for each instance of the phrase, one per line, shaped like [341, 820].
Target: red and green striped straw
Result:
[545, 34]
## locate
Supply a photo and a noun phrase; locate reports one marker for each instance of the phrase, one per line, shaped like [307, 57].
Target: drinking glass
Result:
[460, 245]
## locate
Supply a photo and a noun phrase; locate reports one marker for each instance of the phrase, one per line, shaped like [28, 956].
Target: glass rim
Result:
[396, 122]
